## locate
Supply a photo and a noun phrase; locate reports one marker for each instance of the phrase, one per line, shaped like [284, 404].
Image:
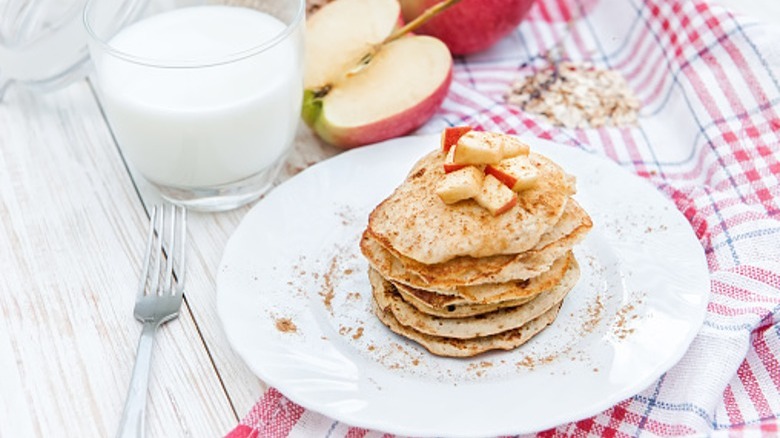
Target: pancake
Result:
[483, 325]
[414, 223]
[497, 292]
[445, 278]
[451, 306]
[474, 300]
[469, 347]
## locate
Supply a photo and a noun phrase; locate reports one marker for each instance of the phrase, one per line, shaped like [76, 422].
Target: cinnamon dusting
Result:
[326, 292]
[286, 325]
[622, 327]
[595, 312]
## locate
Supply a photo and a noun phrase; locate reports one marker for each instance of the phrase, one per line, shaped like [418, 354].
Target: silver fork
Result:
[159, 300]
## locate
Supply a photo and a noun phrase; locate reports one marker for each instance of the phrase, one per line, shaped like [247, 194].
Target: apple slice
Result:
[451, 135]
[476, 147]
[495, 196]
[460, 184]
[449, 162]
[360, 85]
[507, 145]
[517, 173]
[512, 147]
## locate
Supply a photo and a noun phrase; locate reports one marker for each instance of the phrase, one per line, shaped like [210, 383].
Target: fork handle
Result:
[132, 424]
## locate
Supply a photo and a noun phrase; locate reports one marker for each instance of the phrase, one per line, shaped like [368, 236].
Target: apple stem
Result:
[420, 20]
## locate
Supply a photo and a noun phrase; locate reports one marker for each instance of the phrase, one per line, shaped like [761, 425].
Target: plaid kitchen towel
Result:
[708, 139]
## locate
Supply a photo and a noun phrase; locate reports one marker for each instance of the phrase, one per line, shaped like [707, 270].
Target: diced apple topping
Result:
[517, 173]
[449, 162]
[477, 147]
[450, 136]
[512, 147]
[495, 196]
[461, 184]
[487, 166]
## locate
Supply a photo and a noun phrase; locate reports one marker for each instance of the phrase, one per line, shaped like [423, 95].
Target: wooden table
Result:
[73, 217]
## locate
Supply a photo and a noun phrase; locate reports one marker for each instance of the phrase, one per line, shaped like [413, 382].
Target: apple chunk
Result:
[451, 135]
[495, 196]
[512, 147]
[449, 162]
[477, 147]
[517, 173]
[460, 184]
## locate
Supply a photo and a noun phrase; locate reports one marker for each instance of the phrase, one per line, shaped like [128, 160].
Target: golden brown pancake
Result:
[469, 347]
[414, 223]
[497, 292]
[459, 280]
[451, 306]
[484, 298]
[446, 278]
[483, 325]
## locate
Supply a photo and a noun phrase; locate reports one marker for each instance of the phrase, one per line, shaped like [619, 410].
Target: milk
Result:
[201, 126]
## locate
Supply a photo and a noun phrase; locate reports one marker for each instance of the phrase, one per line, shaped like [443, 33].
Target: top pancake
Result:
[415, 223]
[446, 278]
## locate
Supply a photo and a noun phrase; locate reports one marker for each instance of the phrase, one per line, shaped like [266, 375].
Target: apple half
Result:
[360, 90]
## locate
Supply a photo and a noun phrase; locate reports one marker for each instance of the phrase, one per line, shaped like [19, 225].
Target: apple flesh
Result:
[495, 197]
[517, 173]
[512, 147]
[471, 25]
[477, 147]
[449, 162]
[461, 184]
[360, 91]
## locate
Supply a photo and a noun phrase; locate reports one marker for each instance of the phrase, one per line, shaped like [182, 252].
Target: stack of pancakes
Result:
[460, 281]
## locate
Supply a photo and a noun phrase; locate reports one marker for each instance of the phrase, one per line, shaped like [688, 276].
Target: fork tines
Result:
[164, 259]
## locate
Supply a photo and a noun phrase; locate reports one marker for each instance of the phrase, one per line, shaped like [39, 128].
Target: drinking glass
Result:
[203, 97]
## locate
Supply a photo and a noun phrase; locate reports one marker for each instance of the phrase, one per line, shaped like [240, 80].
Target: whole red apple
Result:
[471, 25]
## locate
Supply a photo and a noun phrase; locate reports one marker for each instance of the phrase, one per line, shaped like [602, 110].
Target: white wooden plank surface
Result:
[209, 232]
[71, 238]
[212, 233]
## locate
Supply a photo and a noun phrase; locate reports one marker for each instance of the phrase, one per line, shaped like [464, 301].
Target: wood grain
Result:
[71, 237]
[209, 233]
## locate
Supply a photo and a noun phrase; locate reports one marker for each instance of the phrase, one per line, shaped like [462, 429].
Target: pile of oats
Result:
[577, 95]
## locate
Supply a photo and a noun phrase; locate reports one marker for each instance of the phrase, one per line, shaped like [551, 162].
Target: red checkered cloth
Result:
[708, 139]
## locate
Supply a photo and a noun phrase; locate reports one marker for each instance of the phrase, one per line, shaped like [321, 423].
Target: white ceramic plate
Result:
[294, 299]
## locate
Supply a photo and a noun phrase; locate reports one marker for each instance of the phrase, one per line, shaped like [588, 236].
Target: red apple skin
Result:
[506, 207]
[505, 178]
[449, 164]
[452, 167]
[393, 126]
[471, 25]
[451, 135]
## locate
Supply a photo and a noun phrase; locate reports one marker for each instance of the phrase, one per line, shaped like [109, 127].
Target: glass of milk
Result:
[203, 97]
